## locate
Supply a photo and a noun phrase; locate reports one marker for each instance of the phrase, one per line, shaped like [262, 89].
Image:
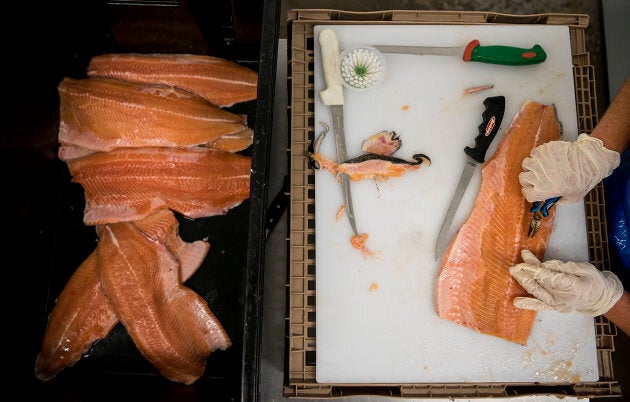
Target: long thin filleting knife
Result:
[332, 97]
[492, 117]
[494, 54]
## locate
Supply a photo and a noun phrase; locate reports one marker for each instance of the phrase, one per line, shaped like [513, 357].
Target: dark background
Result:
[47, 239]
[46, 236]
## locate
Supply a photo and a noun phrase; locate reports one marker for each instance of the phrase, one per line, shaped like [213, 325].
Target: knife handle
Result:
[506, 55]
[492, 117]
[333, 94]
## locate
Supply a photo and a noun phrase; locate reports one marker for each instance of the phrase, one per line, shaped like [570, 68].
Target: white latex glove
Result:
[567, 169]
[565, 286]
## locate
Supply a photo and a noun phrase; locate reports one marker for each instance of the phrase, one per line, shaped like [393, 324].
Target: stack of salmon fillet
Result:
[148, 135]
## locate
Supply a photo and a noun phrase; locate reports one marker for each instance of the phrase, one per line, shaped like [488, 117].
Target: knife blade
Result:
[332, 97]
[492, 117]
[495, 54]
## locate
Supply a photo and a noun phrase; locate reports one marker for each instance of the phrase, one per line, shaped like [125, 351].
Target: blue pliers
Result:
[540, 211]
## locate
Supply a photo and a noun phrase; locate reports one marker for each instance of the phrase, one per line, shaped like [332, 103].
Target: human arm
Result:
[613, 128]
[570, 286]
[620, 313]
[570, 169]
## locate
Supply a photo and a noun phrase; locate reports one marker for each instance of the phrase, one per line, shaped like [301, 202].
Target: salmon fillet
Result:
[82, 314]
[140, 278]
[101, 114]
[473, 287]
[127, 184]
[221, 82]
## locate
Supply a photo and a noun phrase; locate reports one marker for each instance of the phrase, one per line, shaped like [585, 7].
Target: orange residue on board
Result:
[340, 212]
[528, 358]
[405, 107]
[373, 286]
[560, 370]
[358, 242]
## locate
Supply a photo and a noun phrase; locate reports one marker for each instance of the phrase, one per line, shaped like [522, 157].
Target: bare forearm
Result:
[614, 126]
[620, 313]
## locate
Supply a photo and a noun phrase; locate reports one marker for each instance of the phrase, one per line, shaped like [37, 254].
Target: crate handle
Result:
[498, 18]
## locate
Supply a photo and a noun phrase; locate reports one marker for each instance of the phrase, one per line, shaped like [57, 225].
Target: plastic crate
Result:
[301, 283]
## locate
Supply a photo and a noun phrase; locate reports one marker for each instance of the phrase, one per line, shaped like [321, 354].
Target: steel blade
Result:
[443, 238]
[347, 197]
[340, 145]
[340, 137]
[422, 50]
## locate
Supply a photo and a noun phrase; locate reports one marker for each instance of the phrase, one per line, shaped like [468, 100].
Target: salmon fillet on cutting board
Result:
[101, 114]
[222, 82]
[83, 315]
[127, 184]
[473, 287]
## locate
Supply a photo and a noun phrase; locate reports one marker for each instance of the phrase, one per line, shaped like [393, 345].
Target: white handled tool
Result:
[332, 96]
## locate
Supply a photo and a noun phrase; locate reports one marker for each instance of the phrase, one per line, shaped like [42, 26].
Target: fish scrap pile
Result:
[146, 135]
[377, 162]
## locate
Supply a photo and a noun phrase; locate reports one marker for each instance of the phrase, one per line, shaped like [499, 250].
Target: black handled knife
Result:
[492, 117]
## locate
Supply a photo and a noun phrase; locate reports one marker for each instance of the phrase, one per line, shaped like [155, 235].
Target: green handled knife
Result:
[505, 55]
[492, 117]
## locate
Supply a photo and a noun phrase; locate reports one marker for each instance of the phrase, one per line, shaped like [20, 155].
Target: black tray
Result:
[48, 239]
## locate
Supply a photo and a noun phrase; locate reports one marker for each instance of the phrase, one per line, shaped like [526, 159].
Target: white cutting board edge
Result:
[392, 334]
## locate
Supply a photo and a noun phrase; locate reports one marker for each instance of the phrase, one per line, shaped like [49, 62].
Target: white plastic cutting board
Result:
[375, 317]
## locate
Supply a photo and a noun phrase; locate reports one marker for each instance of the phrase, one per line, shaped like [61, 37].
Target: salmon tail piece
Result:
[473, 287]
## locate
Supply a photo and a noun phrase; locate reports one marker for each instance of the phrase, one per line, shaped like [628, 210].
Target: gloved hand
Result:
[567, 169]
[565, 286]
